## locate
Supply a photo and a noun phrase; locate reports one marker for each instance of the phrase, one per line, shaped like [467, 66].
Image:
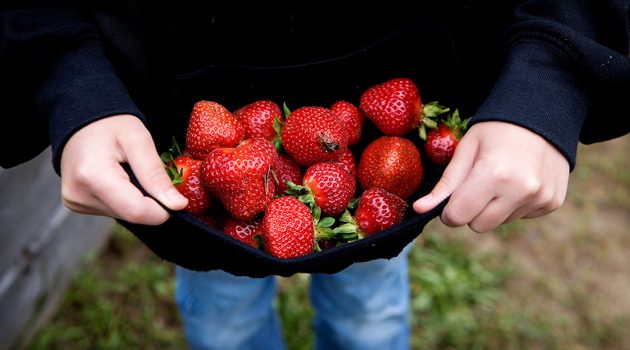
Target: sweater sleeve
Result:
[557, 53]
[76, 83]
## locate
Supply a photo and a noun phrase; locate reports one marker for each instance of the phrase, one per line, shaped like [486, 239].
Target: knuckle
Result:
[533, 187]
[502, 176]
[555, 202]
[452, 219]
[477, 228]
[70, 198]
[70, 203]
[83, 175]
[444, 184]
[546, 197]
[156, 178]
[134, 214]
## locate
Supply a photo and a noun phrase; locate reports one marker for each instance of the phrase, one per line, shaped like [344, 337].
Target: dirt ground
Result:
[574, 264]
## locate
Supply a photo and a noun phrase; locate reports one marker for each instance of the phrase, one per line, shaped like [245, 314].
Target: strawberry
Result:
[348, 163]
[286, 169]
[242, 231]
[377, 210]
[187, 180]
[287, 228]
[185, 173]
[240, 177]
[351, 117]
[392, 163]
[441, 142]
[211, 126]
[330, 187]
[261, 119]
[314, 134]
[395, 107]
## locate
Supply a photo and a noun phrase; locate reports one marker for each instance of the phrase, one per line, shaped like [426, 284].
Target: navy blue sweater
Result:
[559, 68]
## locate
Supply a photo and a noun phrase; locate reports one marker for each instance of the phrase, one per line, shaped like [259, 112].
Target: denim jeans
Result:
[365, 306]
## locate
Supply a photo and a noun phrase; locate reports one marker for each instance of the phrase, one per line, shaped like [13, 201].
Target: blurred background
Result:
[557, 282]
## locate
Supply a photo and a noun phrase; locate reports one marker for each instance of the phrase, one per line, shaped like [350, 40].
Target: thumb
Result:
[454, 174]
[149, 169]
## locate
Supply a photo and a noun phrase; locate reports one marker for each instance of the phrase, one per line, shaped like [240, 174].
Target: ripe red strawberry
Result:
[286, 170]
[287, 228]
[351, 117]
[258, 119]
[314, 134]
[186, 176]
[395, 107]
[240, 177]
[377, 210]
[211, 126]
[332, 187]
[242, 231]
[348, 163]
[392, 163]
[441, 142]
[185, 173]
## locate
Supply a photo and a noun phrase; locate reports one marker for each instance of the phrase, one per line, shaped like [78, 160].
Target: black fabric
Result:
[190, 243]
[149, 44]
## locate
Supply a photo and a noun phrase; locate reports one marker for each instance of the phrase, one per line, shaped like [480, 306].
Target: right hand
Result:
[93, 181]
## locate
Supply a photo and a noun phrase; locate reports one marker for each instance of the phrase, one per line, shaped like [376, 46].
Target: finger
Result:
[493, 215]
[456, 171]
[470, 198]
[118, 197]
[149, 169]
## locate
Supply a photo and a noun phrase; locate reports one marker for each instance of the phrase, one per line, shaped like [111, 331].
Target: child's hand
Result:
[93, 181]
[500, 172]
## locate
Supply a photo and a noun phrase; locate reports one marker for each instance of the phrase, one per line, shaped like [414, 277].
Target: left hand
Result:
[500, 172]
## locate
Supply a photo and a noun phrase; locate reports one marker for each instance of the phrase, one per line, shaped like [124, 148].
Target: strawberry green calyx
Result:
[277, 127]
[174, 173]
[454, 122]
[168, 159]
[434, 109]
[302, 193]
[349, 230]
[430, 112]
[285, 110]
[322, 226]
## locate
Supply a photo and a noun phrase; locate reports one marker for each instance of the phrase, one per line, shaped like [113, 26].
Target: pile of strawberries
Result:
[288, 183]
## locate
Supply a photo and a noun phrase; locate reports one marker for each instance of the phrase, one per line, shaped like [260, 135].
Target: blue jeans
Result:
[365, 306]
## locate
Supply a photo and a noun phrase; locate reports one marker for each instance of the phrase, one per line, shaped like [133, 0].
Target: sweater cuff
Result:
[539, 91]
[81, 88]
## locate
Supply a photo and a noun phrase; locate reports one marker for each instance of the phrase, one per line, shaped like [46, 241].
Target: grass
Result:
[129, 306]
[559, 282]
[132, 307]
